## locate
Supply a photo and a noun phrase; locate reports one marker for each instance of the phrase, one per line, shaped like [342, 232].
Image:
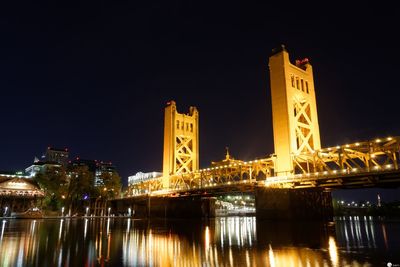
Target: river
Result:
[223, 241]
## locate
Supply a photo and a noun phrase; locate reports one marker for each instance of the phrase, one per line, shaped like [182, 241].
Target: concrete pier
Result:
[293, 204]
[166, 207]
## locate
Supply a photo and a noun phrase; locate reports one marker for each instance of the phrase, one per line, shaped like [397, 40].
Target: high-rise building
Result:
[59, 155]
[98, 168]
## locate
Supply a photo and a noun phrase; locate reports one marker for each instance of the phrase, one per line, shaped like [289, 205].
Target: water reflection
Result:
[226, 241]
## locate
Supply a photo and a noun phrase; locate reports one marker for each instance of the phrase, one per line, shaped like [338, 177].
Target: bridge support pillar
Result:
[294, 204]
[168, 207]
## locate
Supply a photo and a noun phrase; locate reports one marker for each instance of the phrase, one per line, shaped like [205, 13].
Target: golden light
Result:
[271, 257]
[333, 251]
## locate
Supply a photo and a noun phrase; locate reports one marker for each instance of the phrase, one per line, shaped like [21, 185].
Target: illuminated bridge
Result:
[294, 182]
[362, 164]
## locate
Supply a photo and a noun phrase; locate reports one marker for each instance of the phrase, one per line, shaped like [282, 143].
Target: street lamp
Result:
[87, 211]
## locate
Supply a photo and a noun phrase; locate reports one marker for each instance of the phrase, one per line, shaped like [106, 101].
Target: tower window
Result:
[307, 87]
[302, 85]
[297, 83]
[292, 80]
[177, 124]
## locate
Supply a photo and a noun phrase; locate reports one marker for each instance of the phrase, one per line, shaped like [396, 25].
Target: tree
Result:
[81, 187]
[54, 181]
[111, 184]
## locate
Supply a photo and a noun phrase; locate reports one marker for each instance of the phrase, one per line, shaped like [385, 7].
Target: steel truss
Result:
[236, 173]
[358, 164]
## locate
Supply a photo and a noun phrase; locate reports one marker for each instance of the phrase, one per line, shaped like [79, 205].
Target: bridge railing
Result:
[329, 166]
[239, 172]
[349, 160]
[369, 155]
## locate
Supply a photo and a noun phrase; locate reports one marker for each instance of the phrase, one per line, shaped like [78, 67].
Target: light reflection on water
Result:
[224, 241]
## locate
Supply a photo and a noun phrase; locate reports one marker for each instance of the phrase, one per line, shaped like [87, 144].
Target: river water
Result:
[223, 241]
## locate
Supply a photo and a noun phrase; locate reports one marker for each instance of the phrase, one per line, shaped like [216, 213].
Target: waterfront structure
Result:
[181, 142]
[18, 194]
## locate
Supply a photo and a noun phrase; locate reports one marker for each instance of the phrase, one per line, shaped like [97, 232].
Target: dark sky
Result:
[95, 76]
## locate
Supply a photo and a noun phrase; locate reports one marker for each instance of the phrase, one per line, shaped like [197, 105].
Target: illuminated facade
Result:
[294, 110]
[181, 142]
[18, 194]
[141, 177]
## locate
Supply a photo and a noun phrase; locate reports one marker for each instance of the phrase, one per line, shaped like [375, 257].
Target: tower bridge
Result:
[295, 181]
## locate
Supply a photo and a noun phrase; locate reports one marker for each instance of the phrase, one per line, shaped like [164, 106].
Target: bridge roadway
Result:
[334, 180]
[373, 163]
[358, 165]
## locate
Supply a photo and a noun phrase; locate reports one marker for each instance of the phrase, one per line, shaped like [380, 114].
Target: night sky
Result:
[95, 77]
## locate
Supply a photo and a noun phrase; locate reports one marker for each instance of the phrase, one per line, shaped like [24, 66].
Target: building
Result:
[17, 193]
[59, 155]
[40, 167]
[142, 176]
[53, 157]
[96, 167]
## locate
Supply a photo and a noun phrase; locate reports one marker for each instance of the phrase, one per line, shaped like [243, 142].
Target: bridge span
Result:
[292, 183]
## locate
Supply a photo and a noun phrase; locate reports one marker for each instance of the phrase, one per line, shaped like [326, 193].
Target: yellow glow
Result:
[333, 252]
[271, 257]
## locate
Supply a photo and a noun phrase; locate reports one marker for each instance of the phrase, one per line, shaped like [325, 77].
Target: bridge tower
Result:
[294, 109]
[181, 142]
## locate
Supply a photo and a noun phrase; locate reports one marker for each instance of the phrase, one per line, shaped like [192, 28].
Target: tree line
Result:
[73, 187]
